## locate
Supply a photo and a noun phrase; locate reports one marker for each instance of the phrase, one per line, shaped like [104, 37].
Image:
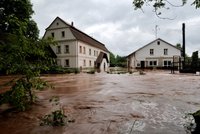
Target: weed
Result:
[57, 117]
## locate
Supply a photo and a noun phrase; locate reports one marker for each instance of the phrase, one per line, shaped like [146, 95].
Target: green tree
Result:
[121, 61]
[178, 45]
[112, 60]
[162, 4]
[22, 52]
[138, 4]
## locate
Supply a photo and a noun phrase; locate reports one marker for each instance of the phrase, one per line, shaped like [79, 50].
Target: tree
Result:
[121, 61]
[178, 45]
[161, 4]
[22, 52]
[112, 60]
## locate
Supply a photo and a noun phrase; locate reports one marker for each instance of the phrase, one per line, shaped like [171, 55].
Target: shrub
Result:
[57, 117]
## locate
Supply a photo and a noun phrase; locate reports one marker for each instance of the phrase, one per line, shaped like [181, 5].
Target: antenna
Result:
[156, 31]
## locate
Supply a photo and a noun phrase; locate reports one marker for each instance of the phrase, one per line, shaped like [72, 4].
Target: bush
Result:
[196, 116]
[60, 70]
[22, 95]
[57, 117]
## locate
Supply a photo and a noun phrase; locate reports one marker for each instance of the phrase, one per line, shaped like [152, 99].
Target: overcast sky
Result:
[121, 28]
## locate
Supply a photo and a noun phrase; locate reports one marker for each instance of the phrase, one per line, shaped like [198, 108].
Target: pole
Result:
[183, 47]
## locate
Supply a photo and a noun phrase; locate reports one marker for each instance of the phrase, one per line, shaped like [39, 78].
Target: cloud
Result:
[116, 24]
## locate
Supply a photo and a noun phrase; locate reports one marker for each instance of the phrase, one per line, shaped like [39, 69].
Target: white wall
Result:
[87, 57]
[76, 59]
[158, 51]
[144, 53]
[102, 68]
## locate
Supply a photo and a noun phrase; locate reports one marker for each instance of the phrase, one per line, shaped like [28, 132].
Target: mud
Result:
[112, 104]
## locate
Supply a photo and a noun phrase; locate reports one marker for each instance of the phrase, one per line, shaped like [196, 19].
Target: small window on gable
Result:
[52, 34]
[63, 34]
[158, 42]
[57, 23]
[66, 48]
[165, 51]
[151, 51]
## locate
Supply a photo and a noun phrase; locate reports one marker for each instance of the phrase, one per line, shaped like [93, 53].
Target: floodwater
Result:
[154, 103]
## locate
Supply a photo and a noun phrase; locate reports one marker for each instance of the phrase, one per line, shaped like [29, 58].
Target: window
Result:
[151, 51]
[84, 62]
[158, 42]
[97, 53]
[67, 63]
[152, 63]
[138, 64]
[66, 48]
[94, 52]
[58, 50]
[167, 63]
[83, 50]
[57, 23]
[58, 62]
[80, 49]
[52, 34]
[63, 34]
[90, 62]
[165, 51]
[89, 51]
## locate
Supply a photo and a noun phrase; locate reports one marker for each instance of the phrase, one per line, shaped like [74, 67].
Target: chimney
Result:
[72, 23]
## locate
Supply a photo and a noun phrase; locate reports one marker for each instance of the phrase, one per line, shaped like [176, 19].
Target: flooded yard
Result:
[154, 103]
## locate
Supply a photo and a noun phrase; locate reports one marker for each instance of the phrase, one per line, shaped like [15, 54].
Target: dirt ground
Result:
[154, 103]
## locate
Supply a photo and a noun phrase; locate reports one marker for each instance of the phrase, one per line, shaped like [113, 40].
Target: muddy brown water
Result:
[155, 103]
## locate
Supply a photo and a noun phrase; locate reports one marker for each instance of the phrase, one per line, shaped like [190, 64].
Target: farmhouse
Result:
[158, 53]
[76, 49]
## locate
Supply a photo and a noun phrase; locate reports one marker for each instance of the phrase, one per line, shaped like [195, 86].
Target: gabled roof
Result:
[101, 56]
[81, 36]
[58, 19]
[158, 39]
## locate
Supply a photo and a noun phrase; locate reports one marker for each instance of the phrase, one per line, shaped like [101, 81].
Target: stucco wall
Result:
[76, 59]
[104, 66]
[143, 54]
[86, 56]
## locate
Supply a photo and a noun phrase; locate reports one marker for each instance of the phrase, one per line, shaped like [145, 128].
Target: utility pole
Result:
[183, 47]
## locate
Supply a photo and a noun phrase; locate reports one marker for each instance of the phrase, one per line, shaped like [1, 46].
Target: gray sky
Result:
[121, 28]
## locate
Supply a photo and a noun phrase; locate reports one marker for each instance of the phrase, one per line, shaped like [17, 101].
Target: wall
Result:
[86, 56]
[144, 54]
